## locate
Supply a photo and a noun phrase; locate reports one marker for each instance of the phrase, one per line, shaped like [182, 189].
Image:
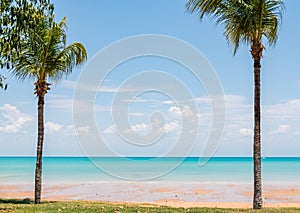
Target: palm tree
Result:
[246, 22]
[45, 57]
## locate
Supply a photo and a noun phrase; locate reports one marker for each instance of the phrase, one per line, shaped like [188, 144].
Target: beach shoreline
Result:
[186, 195]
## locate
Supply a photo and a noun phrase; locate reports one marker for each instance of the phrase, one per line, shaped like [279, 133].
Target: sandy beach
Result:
[167, 194]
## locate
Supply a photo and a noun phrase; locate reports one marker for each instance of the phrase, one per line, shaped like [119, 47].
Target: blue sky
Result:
[97, 24]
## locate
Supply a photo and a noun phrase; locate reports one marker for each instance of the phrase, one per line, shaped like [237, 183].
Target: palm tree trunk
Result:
[39, 152]
[256, 51]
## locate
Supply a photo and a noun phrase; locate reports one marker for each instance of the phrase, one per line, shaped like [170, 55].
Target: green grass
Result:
[26, 205]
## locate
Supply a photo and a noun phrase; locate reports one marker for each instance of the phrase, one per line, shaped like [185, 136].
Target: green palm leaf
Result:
[45, 55]
[244, 21]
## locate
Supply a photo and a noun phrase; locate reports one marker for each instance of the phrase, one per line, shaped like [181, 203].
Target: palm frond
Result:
[244, 21]
[203, 7]
[45, 54]
[71, 56]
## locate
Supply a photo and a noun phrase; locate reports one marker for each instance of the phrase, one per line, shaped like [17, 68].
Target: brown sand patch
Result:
[164, 189]
[201, 191]
[17, 194]
[282, 205]
[15, 191]
[247, 193]
[168, 201]
[61, 197]
[276, 196]
[282, 192]
[8, 188]
[283, 195]
[50, 188]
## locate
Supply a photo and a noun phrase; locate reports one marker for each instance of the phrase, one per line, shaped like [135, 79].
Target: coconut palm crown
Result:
[46, 57]
[245, 21]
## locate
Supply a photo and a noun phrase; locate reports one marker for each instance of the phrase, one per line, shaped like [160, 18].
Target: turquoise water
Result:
[82, 170]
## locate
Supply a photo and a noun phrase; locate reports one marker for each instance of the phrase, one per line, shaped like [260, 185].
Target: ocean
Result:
[20, 170]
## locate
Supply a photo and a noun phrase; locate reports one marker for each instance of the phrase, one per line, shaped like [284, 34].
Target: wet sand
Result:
[168, 194]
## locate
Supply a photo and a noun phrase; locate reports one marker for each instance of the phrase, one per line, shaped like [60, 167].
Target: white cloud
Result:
[140, 100]
[115, 89]
[168, 102]
[70, 130]
[137, 114]
[82, 129]
[172, 127]
[282, 129]
[52, 128]
[288, 110]
[245, 131]
[202, 100]
[15, 120]
[143, 128]
[228, 98]
[60, 102]
[139, 128]
[175, 110]
[110, 130]
[184, 112]
[66, 104]
[68, 84]
[94, 88]
[281, 118]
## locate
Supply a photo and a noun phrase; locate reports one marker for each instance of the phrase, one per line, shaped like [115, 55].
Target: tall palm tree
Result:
[45, 57]
[246, 22]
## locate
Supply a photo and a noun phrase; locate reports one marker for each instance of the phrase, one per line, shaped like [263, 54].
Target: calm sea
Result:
[18, 170]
